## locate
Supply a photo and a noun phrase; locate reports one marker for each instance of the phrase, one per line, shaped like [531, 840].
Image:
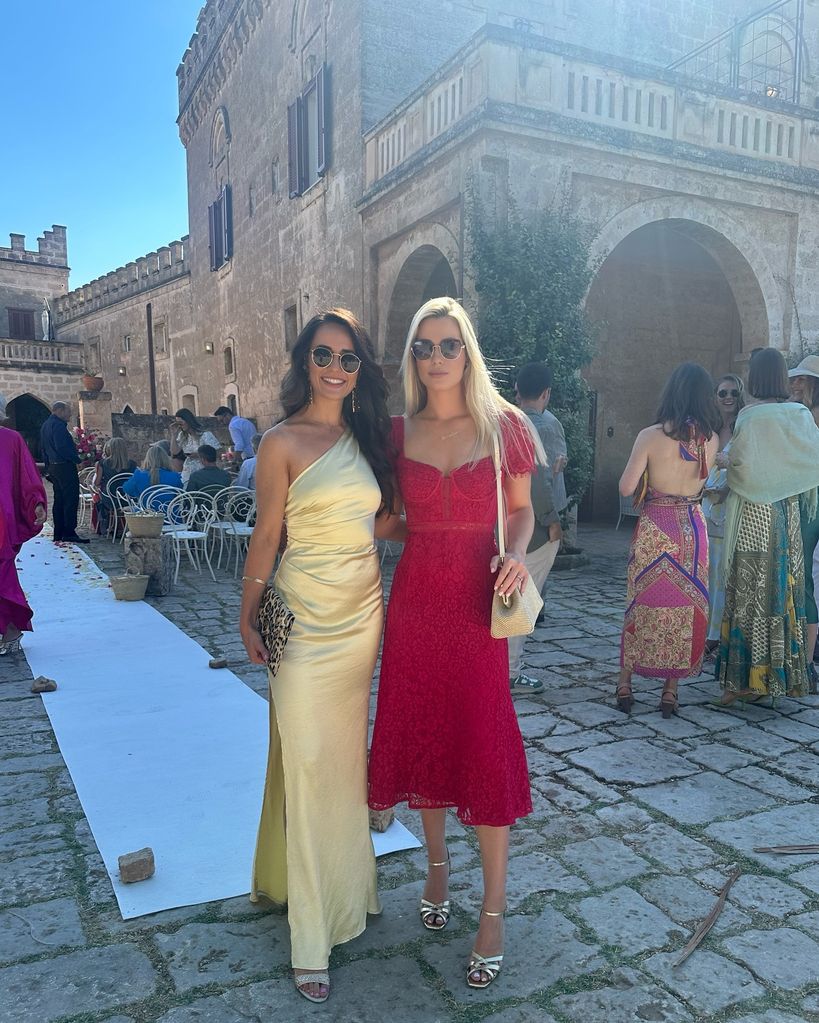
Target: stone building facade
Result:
[328, 149]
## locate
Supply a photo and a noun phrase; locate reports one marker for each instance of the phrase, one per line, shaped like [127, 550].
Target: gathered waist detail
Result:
[656, 497]
[306, 548]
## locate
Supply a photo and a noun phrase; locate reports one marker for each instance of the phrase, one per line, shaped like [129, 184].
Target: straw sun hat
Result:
[808, 367]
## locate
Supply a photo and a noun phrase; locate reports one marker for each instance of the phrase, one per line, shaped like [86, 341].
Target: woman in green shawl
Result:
[773, 473]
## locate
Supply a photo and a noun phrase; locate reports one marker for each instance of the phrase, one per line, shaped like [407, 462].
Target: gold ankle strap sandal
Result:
[488, 965]
[432, 912]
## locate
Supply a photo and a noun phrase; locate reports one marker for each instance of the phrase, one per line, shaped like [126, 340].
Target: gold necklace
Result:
[446, 436]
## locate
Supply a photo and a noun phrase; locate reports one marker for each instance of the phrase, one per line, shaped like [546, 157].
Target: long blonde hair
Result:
[115, 452]
[156, 458]
[486, 405]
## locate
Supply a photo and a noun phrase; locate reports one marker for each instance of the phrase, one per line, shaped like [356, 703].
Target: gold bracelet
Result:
[253, 579]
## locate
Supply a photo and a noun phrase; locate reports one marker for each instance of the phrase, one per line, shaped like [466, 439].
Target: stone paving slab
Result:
[626, 762]
[706, 981]
[30, 930]
[629, 999]
[604, 861]
[796, 824]
[29, 878]
[706, 797]
[767, 895]
[87, 981]
[783, 957]
[671, 848]
[622, 917]
[688, 903]
[549, 940]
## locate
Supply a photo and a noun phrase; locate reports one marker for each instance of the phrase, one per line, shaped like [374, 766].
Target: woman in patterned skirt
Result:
[666, 618]
[773, 473]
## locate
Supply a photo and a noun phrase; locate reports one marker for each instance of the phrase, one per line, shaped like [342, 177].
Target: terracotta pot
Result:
[92, 383]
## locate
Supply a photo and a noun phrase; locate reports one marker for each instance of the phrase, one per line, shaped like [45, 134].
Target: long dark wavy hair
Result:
[190, 419]
[370, 423]
[688, 400]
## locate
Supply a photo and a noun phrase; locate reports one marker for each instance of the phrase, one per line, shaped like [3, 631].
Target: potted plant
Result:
[92, 381]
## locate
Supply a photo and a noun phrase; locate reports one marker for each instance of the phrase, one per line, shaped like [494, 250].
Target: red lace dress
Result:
[446, 732]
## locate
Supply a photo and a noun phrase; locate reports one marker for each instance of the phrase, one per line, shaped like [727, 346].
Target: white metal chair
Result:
[627, 509]
[120, 503]
[192, 511]
[221, 525]
[240, 515]
[87, 491]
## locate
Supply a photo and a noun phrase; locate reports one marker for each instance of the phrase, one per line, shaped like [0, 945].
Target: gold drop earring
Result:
[355, 401]
[309, 394]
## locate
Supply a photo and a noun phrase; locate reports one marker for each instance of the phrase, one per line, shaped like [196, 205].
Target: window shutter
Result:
[323, 111]
[293, 148]
[212, 234]
[227, 223]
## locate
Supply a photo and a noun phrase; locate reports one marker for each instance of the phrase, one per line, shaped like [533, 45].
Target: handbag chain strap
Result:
[501, 529]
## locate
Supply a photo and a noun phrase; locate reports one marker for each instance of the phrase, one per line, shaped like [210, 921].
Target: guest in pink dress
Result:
[22, 514]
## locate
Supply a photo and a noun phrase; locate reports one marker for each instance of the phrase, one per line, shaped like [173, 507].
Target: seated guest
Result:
[115, 461]
[247, 474]
[210, 476]
[156, 469]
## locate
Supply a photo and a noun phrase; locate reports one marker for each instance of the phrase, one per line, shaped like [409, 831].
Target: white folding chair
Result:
[192, 511]
[86, 478]
[221, 525]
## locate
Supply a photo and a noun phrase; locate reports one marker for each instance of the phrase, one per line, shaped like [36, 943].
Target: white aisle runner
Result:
[163, 750]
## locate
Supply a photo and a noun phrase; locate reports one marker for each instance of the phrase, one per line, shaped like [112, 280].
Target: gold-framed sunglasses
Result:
[323, 357]
[450, 348]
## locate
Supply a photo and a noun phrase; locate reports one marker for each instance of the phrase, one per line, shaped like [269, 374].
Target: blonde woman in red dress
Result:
[446, 733]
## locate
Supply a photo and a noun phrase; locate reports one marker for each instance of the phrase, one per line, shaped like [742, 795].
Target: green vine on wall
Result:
[531, 274]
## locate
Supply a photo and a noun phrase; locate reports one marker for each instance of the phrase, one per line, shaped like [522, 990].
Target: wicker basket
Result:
[144, 526]
[129, 587]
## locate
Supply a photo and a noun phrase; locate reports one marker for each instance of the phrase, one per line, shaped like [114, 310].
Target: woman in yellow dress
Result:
[326, 470]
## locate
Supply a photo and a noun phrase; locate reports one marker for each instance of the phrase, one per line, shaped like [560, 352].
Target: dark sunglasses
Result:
[450, 348]
[724, 394]
[323, 357]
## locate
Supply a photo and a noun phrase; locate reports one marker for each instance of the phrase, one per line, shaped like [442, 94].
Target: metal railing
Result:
[761, 53]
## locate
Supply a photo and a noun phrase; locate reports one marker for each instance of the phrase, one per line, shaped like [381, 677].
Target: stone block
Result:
[88, 981]
[137, 866]
[43, 876]
[705, 797]
[764, 781]
[717, 756]
[782, 957]
[633, 762]
[767, 895]
[670, 847]
[706, 981]
[604, 861]
[629, 997]
[154, 557]
[786, 825]
[622, 917]
[28, 930]
[689, 903]
[554, 953]
[41, 684]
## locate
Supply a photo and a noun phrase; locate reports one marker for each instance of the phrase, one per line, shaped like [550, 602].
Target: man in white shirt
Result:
[241, 430]
[247, 473]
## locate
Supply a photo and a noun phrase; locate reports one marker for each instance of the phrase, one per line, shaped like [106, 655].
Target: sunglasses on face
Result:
[726, 393]
[323, 357]
[450, 348]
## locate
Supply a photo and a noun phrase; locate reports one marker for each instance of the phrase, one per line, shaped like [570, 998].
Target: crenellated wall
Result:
[144, 274]
[52, 248]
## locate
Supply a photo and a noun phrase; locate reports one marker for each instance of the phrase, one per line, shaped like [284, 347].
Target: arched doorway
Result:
[424, 275]
[26, 414]
[671, 291]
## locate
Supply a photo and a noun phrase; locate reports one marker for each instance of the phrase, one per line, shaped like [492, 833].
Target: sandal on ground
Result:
[486, 967]
[433, 912]
[624, 697]
[301, 981]
[736, 697]
[668, 703]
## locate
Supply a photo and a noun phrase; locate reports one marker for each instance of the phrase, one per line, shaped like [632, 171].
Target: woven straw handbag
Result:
[516, 613]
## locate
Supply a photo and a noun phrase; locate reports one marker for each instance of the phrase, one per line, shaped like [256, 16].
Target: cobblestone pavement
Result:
[637, 823]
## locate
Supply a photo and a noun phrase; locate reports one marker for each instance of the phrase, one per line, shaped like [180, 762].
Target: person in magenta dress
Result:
[446, 733]
[22, 514]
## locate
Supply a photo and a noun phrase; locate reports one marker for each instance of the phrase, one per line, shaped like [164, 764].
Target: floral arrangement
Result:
[89, 445]
[230, 458]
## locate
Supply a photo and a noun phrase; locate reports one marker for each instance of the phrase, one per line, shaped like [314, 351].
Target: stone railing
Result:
[499, 69]
[166, 264]
[45, 354]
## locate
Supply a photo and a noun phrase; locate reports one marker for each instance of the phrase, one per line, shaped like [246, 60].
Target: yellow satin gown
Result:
[314, 849]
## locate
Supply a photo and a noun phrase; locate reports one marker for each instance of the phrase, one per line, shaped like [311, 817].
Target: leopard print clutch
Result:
[275, 622]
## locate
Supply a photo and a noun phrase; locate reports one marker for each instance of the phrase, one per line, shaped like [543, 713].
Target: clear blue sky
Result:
[88, 109]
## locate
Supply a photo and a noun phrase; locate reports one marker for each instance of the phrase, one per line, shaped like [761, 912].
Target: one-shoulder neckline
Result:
[320, 458]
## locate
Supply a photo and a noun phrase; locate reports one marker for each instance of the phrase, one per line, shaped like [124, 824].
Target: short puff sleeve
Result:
[519, 449]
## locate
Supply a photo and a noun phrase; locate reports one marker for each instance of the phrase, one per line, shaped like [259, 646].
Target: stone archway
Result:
[669, 290]
[424, 275]
[26, 414]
